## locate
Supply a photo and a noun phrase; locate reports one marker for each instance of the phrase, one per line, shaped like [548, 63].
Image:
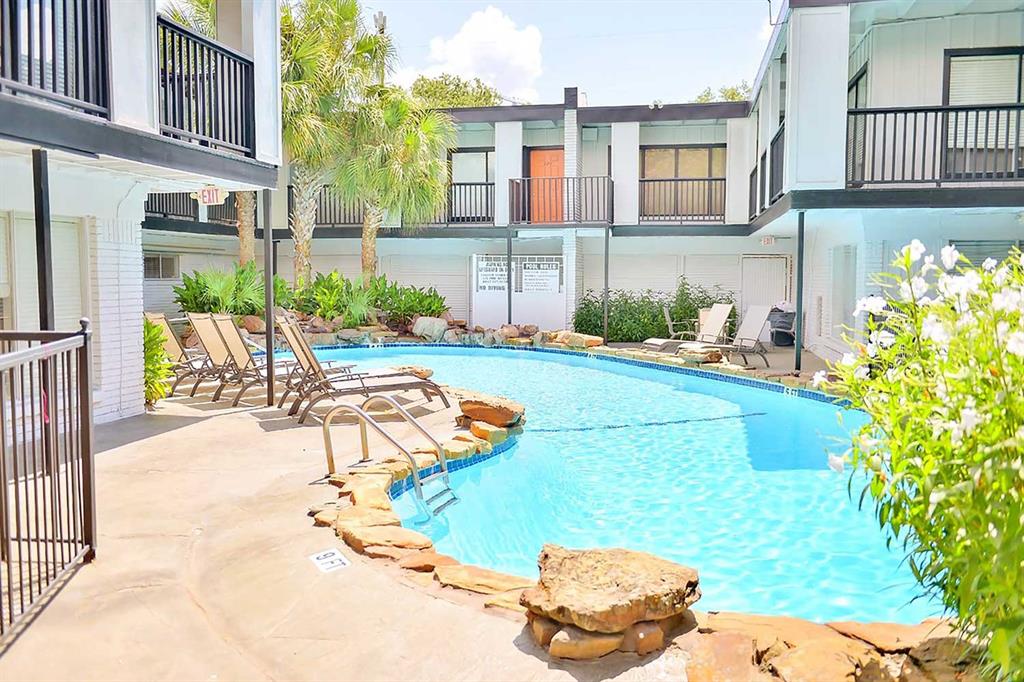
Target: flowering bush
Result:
[939, 368]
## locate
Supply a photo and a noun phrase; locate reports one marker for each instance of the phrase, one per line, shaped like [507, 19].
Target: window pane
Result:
[693, 163]
[718, 162]
[659, 163]
[469, 167]
[151, 267]
[983, 79]
[169, 267]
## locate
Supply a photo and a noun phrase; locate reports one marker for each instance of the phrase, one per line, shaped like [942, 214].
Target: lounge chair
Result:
[316, 384]
[747, 340]
[305, 367]
[244, 369]
[185, 363]
[711, 331]
[218, 358]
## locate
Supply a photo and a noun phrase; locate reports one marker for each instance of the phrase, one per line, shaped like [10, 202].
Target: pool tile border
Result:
[404, 485]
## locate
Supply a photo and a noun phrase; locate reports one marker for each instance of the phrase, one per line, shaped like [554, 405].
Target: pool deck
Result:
[202, 572]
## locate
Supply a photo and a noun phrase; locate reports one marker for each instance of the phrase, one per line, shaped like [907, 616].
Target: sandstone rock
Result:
[505, 600]
[424, 562]
[192, 340]
[528, 329]
[349, 334]
[811, 663]
[458, 449]
[721, 656]
[254, 324]
[768, 631]
[892, 637]
[492, 410]
[282, 315]
[418, 371]
[540, 338]
[542, 629]
[479, 444]
[362, 517]
[572, 642]
[380, 479]
[423, 459]
[315, 509]
[488, 432]
[458, 323]
[372, 496]
[448, 317]
[451, 336]
[385, 552]
[476, 579]
[507, 331]
[576, 340]
[607, 590]
[518, 342]
[643, 638]
[359, 538]
[941, 659]
[463, 421]
[325, 517]
[431, 329]
[318, 324]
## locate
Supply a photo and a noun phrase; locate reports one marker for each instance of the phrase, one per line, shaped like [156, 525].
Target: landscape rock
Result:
[508, 600]
[476, 579]
[315, 509]
[941, 659]
[363, 517]
[424, 562]
[431, 329]
[542, 629]
[418, 371]
[450, 336]
[540, 338]
[770, 632]
[492, 410]
[811, 663]
[507, 331]
[893, 637]
[575, 643]
[458, 449]
[422, 457]
[385, 552]
[385, 536]
[254, 324]
[479, 444]
[643, 638]
[372, 496]
[720, 656]
[317, 325]
[577, 340]
[607, 590]
[528, 329]
[488, 432]
[325, 517]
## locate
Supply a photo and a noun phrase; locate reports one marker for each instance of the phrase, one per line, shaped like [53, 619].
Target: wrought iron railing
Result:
[682, 200]
[761, 165]
[469, 203]
[47, 501]
[559, 200]
[57, 51]
[752, 194]
[178, 205]
[206, 90]
[331, 209]
[777, 160]
[934, 145]
[225, 214]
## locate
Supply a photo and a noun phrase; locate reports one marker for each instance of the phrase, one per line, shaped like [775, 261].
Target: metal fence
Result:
[173, 205]
[47, 502]
[559, 200]
[776, 165]
[682, 200]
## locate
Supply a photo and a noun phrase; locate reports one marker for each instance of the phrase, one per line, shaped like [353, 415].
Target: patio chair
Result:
[218, 358]
[711, 331]
[305, 370]
[243, 369]
[186, 363]
[748, 337]
[315, 384]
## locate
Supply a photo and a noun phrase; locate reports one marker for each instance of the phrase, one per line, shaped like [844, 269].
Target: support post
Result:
[44, 251]
[277, 243]
[799, 326]
[508, 270]
[604, 299]
[269, 266]
[85, 443]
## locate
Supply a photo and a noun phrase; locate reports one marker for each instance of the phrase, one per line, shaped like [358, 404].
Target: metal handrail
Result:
[365, 419]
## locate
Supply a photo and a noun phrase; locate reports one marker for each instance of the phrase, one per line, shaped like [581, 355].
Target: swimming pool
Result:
[728, 479]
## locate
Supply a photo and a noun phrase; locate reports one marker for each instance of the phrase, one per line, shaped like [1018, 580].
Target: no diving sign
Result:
[329, 560]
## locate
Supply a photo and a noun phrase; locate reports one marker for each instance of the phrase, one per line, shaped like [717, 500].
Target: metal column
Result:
[268, 292]
[799, 327]
[508, 269]
[604, 300]
[44, 251]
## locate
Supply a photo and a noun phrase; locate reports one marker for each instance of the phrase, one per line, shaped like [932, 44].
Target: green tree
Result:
[449, 91]
[394, 162]
[328, 61]
[726, 93]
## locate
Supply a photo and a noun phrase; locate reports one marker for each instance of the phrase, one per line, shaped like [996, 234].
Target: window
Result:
[686, 181]
[977, 250]
[472, 165]
[158, 266]
[844, 288]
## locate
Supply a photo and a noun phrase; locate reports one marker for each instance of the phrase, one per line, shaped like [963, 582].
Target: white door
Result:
[69, 298]
[764, 280]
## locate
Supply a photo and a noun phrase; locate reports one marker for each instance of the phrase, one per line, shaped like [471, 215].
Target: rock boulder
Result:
[572, 642]
[385, 536]
[476, 579]
[254, 324]
[608, 590]
[492, 410]
[431, 329]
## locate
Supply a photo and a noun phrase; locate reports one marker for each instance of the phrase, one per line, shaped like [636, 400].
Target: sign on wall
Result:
[538, 291]
[541, 278]
[491, 274]
[211, 196]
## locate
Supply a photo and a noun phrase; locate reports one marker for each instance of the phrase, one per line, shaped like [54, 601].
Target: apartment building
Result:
[872, 122]
[101, 105]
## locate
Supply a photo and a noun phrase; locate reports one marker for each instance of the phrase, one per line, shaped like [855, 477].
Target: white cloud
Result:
[489, 46]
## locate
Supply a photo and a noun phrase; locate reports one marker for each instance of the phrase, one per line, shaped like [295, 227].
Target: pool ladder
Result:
[444, 498]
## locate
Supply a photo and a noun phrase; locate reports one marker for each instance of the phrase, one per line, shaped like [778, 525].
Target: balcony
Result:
[682, 200]
[937, 145]
[561, 200]
[56, 51]
[777, 155]
[181, 206]
[469, 203]
[206, 91]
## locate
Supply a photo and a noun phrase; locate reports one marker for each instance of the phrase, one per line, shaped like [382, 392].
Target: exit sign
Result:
[211, 196]
[767, 241]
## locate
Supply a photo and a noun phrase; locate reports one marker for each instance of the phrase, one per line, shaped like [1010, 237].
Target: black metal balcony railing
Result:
[777, 155]
[331, 209]
[559, 200]
[934, 145]
[225, 214]
[761, 165]
[682, 200]
[56, 50]
[206, 90]
[752, 194]
[177, 205]
[47, 502]
[469, 203]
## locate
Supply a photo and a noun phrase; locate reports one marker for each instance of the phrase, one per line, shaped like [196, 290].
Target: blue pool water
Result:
[731, 480]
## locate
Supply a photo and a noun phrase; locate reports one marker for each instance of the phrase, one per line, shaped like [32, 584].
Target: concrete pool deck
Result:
[202, 572]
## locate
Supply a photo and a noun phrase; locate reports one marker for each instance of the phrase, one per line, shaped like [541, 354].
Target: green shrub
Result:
[239, 292]
[284, 296]
[157, 367]
[331, 295]
[939, 369]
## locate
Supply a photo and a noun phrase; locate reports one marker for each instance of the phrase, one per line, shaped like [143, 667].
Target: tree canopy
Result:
[448, 91]
[726, 93]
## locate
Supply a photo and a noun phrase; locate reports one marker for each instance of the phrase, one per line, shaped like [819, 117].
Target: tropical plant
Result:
[157, 367]
[192, 296]
[449, 91]
[394, 162]
[938, 368]
[328, 59]
[239, 292]
[198, 15]
[284, 295]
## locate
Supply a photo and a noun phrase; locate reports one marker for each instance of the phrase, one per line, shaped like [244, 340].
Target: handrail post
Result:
[85, 440]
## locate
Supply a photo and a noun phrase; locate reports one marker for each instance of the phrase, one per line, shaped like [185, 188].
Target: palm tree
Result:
[328, 59]
[394, 162]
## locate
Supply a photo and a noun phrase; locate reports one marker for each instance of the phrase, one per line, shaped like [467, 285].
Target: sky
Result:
[615, 51]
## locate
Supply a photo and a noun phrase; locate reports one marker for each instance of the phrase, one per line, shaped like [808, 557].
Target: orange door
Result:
[547, 166]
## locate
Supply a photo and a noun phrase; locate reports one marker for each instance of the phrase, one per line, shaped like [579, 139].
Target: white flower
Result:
[915, 249]
[862, 372]
[1015, 344]
[969, 420]
[949, 256]
[874, 305]
[835, 463]
[1008, 299]
[848, 360]
[990, 264]
[871, 349]
[1002, 274]
[932, 329]
[820, 377]
[883, 337]
[914, 290]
